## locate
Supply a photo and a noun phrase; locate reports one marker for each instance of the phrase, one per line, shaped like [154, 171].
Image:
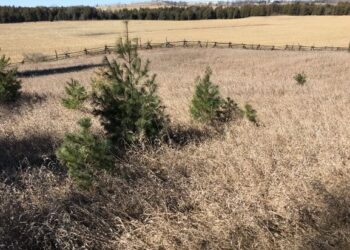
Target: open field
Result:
[283, 185]
[45, 37]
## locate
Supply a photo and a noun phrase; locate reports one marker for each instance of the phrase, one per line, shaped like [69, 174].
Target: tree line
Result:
[10, 14]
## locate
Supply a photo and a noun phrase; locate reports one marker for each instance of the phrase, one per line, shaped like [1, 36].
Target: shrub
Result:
[83, 154]
[250, 113]
[206, 100]
[228, 111]
[75, 95]
[300, 78]
[208, 106]
[125, 98]
[9, 84]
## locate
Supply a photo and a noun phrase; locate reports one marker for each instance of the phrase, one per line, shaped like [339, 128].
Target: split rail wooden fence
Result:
[107, 49]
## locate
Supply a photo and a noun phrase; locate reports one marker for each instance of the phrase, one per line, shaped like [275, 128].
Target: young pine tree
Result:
[300, 78]
[125, 98]
[75, 95]
[9, 84]
[209, 107]
[84, 154]
[206, 100]
[250, 113]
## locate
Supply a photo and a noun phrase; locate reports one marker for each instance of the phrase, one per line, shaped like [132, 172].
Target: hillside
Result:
[281, 185]
[46, 37]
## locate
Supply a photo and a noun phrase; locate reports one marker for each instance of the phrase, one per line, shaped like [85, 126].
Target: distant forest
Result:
[9, 14]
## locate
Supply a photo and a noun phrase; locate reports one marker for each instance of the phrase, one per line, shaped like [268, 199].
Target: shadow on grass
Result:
[179, 136]
[53, 71]
[333, 225]
[31, 99]
[47, 213]
[26, 100]
[17, 153]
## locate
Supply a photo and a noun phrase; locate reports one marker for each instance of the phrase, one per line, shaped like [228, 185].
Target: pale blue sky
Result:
[60, 2]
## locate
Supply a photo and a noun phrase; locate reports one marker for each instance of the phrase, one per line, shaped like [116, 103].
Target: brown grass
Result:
[283, 185]
[46, 37]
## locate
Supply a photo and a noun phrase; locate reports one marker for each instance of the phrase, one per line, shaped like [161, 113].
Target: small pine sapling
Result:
[76, 95]
[84, 154]
[9, 84]
[300, 78]
[125, 98]
[250, 113]
[206, 100]
[209, 107]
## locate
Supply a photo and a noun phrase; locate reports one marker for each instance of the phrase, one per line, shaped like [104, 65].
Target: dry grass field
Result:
[46, 37]
[283, 185]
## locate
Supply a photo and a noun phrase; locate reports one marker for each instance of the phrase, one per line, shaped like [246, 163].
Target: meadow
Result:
[282, 185]
[46, 37]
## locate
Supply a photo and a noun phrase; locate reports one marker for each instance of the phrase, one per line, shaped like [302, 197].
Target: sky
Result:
[60, 2]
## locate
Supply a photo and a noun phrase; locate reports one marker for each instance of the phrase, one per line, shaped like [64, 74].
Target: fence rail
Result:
[107, 49]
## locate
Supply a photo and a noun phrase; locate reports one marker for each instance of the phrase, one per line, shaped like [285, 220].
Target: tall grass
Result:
[283, 185]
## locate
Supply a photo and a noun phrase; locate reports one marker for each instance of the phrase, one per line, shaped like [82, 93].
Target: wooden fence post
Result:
[230, 45]
[149, 46]
[56, 55]
[200, 44]
[86, 51]
[214, 46]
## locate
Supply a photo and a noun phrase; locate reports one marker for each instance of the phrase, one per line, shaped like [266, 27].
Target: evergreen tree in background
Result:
[9, 14]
